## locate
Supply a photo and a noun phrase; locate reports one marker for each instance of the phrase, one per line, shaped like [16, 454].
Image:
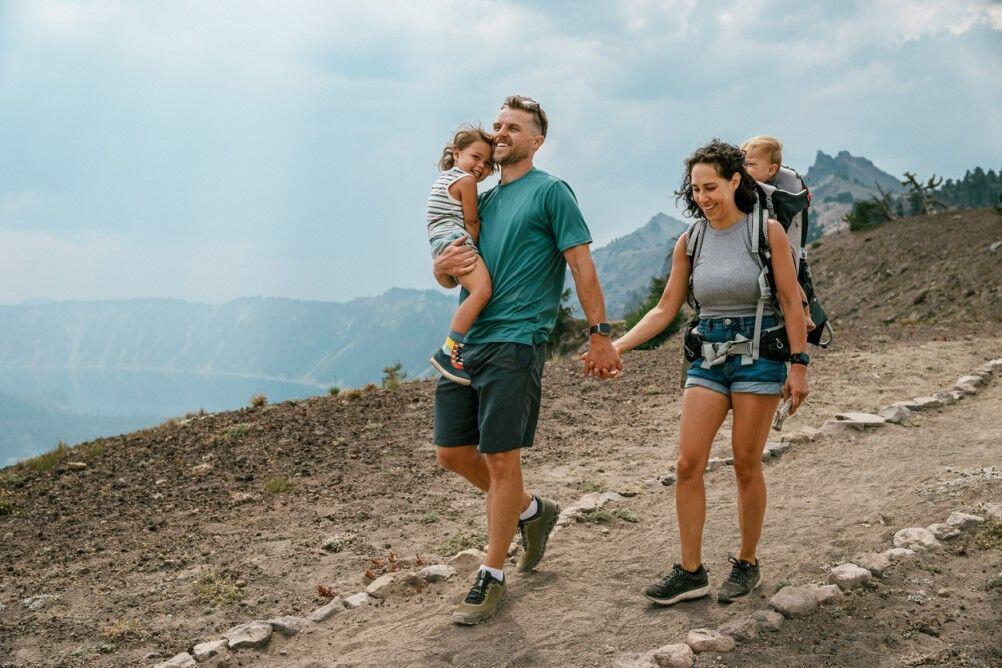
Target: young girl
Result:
[452, 214]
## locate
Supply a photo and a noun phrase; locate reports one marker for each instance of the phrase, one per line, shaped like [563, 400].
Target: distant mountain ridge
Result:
[838, 181]
[318, 343]
[626, 265]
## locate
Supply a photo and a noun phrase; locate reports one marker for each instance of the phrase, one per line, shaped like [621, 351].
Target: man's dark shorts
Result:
[498, 411]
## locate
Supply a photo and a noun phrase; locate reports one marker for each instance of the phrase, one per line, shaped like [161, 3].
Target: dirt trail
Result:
[130, 543]
[583, 606]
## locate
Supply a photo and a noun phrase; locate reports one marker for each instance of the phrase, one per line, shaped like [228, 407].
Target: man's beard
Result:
[514, 155]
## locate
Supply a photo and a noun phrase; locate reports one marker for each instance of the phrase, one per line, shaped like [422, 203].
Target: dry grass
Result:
[989, 535]
[46, 462]
[278, 485]
[258, 400]
[122, 628]
[211, 588]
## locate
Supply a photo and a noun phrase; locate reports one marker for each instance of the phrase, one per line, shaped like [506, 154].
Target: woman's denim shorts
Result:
[760, 377]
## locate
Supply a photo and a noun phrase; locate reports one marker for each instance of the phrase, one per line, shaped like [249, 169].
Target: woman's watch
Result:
[800, 358]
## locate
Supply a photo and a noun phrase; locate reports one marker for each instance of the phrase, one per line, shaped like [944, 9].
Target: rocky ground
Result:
[166, 537]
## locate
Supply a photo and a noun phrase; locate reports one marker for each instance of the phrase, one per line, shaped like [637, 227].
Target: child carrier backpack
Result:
[789, 208]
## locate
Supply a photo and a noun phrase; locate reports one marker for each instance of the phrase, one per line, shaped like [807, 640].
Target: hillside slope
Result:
[928, 275]
[172, 534]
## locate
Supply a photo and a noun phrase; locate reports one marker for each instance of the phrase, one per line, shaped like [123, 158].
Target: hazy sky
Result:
[210, 150]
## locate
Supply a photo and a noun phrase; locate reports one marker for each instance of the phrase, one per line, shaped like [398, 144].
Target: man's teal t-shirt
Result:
[526, 225]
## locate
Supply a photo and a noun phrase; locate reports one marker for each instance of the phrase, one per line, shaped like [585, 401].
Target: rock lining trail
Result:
[791, 601]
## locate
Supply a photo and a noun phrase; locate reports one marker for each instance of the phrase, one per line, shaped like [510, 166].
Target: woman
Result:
[725, 284]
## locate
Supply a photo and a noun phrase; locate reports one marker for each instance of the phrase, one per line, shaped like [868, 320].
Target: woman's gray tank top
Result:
[725, 275]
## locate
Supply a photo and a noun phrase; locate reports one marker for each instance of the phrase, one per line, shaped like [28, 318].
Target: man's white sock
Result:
[531, 510]
[496, 572]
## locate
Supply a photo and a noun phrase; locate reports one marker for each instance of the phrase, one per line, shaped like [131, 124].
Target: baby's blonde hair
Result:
[772, 146]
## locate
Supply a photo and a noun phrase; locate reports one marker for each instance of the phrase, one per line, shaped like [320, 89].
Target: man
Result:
[532, 229]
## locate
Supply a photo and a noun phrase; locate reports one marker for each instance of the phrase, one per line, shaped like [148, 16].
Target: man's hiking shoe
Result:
[744, 578]
[444, 365]
[486, 597]
[679, 585]
[535, 532]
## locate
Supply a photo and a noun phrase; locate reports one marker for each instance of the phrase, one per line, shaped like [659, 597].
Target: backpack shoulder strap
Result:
[693, 237]
[693, 244]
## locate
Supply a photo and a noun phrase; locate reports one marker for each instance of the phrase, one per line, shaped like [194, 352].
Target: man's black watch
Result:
[602, 328]
[800, 358]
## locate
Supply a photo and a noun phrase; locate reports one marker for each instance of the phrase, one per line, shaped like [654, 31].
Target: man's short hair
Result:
[773, 148]
[527, 104]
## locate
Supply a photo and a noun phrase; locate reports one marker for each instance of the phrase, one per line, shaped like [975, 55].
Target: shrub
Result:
[6, 505]
[460, 542]
[231, 433]
[212, 588]
[333, 390]
[258, 400]
[865, 214]
[394, 375]
[989, 535]
[278, 485]
[597, 517]
[627, 515]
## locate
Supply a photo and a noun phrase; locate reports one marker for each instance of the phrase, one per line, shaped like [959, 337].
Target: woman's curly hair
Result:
[726, 159]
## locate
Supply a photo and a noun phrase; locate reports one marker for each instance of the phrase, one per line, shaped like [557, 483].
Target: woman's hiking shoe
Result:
[743, 580]
[536, 532]
[443, 363]
[679, 585]
[486, 597]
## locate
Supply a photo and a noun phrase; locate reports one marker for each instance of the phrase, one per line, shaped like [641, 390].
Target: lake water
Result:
[79, 404]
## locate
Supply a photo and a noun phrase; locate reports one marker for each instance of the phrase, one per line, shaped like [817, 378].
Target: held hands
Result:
[602, 359]
[796, 386]
[457, 259]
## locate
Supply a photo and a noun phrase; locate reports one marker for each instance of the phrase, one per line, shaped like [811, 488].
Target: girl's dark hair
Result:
[726, 159]
[464, 136]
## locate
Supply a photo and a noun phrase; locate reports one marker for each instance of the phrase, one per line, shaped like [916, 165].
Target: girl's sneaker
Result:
[451, 367]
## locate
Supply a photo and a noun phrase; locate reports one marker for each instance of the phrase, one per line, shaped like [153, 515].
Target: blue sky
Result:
[208, 151]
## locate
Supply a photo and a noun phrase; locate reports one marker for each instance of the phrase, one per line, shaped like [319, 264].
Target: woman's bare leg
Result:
[752, 419]
[703, 411]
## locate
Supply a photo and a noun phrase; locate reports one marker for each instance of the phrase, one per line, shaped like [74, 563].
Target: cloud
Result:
[233, 148]
[17, 206]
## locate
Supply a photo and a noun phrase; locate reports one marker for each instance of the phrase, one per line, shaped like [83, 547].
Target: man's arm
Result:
[457, 259]
[603, 360]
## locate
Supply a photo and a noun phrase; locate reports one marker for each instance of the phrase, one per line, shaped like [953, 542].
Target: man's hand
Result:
[456, 260]
[602, 359]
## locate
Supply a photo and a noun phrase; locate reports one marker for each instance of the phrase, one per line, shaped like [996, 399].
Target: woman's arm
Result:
[793, 313]
[655, 320]
[465, 190]
[789, 289]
